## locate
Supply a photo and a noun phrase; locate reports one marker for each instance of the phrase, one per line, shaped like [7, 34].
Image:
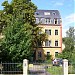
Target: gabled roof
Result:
[47, 13]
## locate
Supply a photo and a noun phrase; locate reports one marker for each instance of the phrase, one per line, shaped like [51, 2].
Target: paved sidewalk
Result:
[38, 70]
[46, 73]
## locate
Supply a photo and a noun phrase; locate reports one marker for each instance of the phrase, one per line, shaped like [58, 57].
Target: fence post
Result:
[25, 67]
[65, 67]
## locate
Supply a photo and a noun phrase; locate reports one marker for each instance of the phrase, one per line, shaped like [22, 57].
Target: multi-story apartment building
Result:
[50, 21]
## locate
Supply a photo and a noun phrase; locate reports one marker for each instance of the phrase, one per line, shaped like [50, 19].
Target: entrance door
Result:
[34, 55]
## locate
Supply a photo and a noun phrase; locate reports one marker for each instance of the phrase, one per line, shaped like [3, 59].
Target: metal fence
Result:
[11, 68]
[34, 69]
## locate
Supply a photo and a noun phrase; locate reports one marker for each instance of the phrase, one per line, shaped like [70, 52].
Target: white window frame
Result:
[56, 31]
[48, 53]
[46, 13]
[41, 20]
[56, 43]
[57, 53]
[48, 31]
[38, 20]
[47, 20]
[48, 43]
[56, 20]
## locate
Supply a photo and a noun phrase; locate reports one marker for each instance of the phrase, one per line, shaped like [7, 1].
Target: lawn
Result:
[55, 70]
[71, 69]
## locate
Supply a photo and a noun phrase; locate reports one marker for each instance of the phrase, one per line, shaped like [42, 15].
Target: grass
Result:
[55, 70]
[71, 69]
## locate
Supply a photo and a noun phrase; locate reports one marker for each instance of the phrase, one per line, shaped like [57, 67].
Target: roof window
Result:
[46, 13]
[37, 13]
[54, 13]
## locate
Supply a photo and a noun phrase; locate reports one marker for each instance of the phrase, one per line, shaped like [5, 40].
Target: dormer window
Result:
[46, 13]
[37, 13]
[54, 13]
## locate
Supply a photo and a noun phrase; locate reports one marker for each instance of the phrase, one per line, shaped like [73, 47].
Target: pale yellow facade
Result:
[45, 50]
[53, 37]
[52, 49]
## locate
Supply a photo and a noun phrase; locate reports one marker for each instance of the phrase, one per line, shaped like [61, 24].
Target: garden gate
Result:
[45, 69]
[37, 69]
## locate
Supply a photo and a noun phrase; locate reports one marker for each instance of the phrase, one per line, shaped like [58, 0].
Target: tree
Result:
[19, 29]
[23, 9]
[70, 32]
[18, 41]
[69, 44]
[17, 22]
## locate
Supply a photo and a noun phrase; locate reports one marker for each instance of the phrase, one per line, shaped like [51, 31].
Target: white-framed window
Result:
[46, 13]
[37, 20]
[48, 43]
[47, 21]
[48, 53]
[48, 31]
[42, 20]
[55, 21]
[56, 32]
[56, 54]
[56, 42]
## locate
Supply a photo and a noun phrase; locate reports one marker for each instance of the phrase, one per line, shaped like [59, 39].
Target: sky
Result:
[65, 7]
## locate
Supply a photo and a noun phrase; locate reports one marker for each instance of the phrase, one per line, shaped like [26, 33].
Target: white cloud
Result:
[58, 3]
[69, 19]
[67, 22]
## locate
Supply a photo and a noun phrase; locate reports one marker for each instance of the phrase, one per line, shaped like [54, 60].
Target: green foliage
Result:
[23, 9]
[55, 70]
[69, 51]
[73, 58]
[17, 22]
[48, 58]
[18, 41]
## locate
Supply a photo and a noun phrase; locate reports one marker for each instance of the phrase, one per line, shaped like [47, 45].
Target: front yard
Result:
[55, 70]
